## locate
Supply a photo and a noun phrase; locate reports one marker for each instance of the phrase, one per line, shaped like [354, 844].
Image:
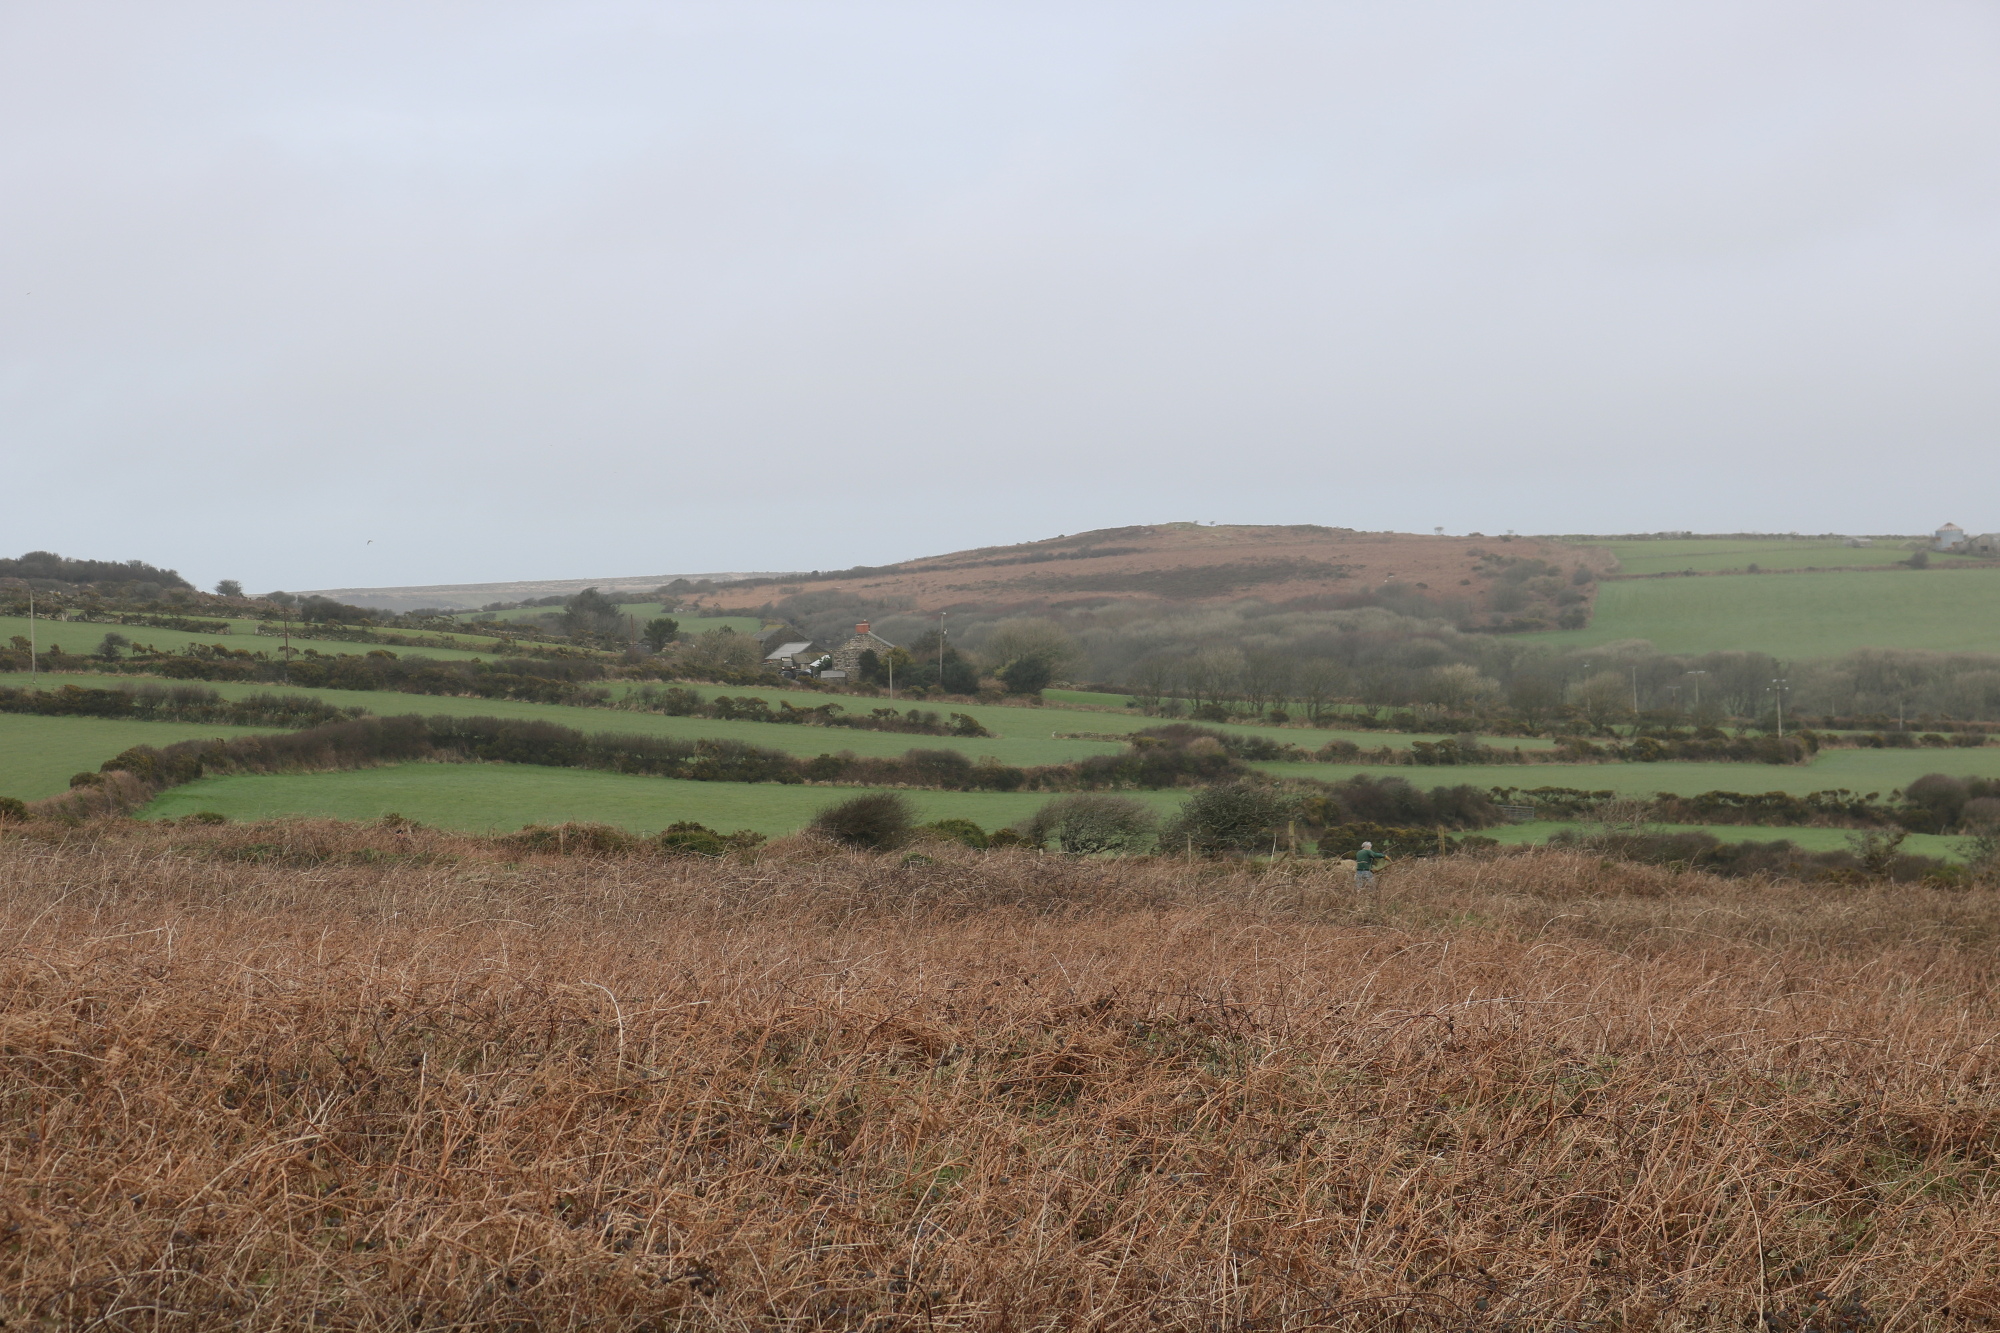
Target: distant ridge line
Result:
[466, 596]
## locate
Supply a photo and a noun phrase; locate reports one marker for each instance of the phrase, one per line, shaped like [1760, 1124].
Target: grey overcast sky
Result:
[320, 294]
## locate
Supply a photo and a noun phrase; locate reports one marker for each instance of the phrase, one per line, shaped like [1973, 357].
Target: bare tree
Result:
[1265, 679]
[1318, 683]
[1604, 699]
[1153, 682]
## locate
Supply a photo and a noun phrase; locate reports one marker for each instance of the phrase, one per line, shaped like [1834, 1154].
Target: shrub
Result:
[687, 838]
[1231, 818]
[1028, 675]
[205, 817]
[1936, 801]
[1404, 843]
[13, 810]
[1004, 837]
[876, 822]
[586, 839]
[957, 830]
[1089, 822]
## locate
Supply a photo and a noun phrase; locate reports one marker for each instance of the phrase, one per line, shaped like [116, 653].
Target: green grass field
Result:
[1701, 553]
[645, 611]
[1811, 839]
[1799, 615]
[82, 638]
[482, 798]
[39, 754]
[1862, 771]
[1023, 735]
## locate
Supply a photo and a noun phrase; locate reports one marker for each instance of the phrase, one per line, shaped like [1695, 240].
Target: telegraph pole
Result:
[1778, 687]
[34, 670]
[941, 616]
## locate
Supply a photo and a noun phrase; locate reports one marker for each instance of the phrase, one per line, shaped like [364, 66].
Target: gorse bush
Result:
[688, 838]
[877, 822]
[573, 839]
[1344, 840]
[961, 831]
[1236, 817]
[1091, 822]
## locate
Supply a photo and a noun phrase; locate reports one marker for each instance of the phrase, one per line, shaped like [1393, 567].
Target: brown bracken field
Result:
[311, 1075]
[1297, 565]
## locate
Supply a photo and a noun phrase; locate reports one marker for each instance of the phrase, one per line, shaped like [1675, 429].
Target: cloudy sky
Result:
[322, 294]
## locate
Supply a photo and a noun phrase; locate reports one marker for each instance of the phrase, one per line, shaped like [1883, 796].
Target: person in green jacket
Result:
[1365, 862]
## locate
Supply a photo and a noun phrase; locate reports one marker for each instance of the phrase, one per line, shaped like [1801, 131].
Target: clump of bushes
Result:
[1873, 856]
[962, 831]
[1343, 840]
[876, 822]
[1092, 822]
[13, 810]
[572, 839]
[1234, 817]
[679, 701]
[687, 838]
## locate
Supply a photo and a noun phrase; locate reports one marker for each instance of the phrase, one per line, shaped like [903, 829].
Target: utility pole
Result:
[34, 669]
[941, 616]
[1778, 687]
[1697, 686]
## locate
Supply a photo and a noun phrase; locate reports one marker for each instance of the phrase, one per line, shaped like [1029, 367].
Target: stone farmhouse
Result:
[847, 657]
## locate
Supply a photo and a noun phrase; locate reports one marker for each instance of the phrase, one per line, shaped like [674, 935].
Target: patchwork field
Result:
[1811, 839]
[1023, 735]
[38, 755]
[1723, 553]
[81, 638]
[1798, 615]
[485, 798]
[1853, 770]
[645, 611]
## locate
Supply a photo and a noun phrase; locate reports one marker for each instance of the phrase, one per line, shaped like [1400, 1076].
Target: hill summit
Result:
[1295, 565]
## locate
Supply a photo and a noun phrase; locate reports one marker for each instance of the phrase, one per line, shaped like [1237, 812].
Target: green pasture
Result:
[1799, 615]
[1811, 839]
[81, 639]
[1022, 746]
[38, 755]
[1722, 553]
[483, 798]
[1045, 720]
[1860, 771]
[645, 611]
[1024, 730]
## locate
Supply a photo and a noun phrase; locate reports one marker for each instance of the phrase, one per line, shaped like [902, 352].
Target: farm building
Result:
[1986, 543]
[792, 652]
[847, 657]
[1948, 538]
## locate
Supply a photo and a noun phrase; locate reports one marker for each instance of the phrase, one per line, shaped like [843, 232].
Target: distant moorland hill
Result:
[1302, 566]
